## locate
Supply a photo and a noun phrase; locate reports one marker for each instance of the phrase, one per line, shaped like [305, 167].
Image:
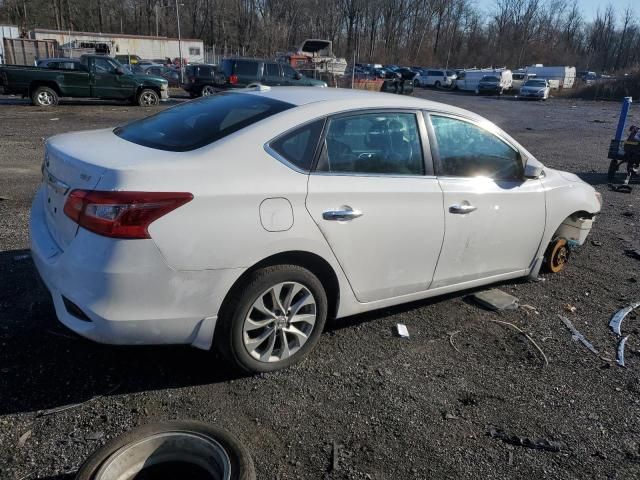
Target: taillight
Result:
[233, 79]
[121, 214]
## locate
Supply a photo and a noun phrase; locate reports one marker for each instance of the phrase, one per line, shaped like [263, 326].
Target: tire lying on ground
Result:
[177, 449]
[44, 97]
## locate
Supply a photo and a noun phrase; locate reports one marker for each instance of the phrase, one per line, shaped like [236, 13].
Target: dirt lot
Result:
[397, 408]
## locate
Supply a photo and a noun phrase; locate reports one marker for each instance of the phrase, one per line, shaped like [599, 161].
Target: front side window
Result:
[467, 150]
[373, 143]
[288, 71]
[195, 124]
[298, 147]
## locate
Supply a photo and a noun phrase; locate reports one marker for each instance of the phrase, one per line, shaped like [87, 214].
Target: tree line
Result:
[446, 33]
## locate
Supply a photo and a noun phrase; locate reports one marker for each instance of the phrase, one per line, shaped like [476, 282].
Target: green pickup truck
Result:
[90, 76]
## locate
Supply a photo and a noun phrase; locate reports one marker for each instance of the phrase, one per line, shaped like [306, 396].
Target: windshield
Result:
[536, 83]
[201, 122]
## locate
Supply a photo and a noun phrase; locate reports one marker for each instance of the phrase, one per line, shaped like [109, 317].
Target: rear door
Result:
[375, 199]
[494, 217]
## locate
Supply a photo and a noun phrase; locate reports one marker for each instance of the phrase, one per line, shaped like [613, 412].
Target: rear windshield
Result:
[200, 122]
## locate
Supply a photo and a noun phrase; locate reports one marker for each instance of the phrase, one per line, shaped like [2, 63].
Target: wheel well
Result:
[39, 83]
[147, 87]
[312, 262]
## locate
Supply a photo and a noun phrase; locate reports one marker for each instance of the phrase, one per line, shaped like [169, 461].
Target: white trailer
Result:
[468, 79]
[6, 31]
[558, 77]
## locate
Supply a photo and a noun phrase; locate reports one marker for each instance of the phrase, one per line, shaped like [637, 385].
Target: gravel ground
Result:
[412, 408]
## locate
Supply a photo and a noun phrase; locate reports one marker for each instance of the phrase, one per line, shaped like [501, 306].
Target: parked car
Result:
[241, 221]
[489, 84]
[240, 72]
[101, 77]
[437, 78]
[171, 75]
[536, 88]
[128, 59]
[202, 80]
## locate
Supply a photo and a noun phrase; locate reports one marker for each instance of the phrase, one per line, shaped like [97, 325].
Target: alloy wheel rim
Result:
[148, 99]
[206, 91]
[45, 98]
[279, 322]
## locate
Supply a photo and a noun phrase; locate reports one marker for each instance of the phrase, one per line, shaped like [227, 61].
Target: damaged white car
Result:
[241, 221]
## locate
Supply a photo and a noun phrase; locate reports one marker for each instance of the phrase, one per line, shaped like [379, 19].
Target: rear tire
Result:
[437, 84]
[44, 97]
[243, 321]
[613, 169]
[207, 90]
[148, 98]
[240, 462]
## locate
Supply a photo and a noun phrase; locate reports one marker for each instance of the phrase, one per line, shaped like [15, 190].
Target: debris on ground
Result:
[451, 335]
[530, 308]
[335, 456]
[576, 336]
[402, 331]
[596, 243]
[616, 321]
[534, 443]
[526, 335]
[570, 308]
[633, 253]
[496, 299]
[19, 258]
[95, 436]
[620, 352]
[24, 437]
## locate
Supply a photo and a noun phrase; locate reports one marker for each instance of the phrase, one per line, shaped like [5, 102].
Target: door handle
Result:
[344, 213]
[462, 209]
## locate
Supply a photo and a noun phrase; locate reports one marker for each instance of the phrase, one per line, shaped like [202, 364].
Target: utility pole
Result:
[157, 30]
[179, 42]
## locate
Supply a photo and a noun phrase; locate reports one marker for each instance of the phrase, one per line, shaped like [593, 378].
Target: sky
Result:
[588, 7]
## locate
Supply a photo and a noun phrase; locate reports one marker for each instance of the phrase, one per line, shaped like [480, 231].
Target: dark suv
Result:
[201, 80]
[240, 72]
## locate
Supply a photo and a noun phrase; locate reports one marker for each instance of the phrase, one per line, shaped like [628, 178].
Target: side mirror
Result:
[297, 76]
[119, 71]
[533, 170]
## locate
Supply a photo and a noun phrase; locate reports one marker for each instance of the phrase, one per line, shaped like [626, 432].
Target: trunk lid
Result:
[61, 173]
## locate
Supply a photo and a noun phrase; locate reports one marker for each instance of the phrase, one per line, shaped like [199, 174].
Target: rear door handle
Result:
[344, 213]
[462, 209]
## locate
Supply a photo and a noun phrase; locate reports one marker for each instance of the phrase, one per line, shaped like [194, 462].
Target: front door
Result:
[378, 205]
[494, 218]
[107, 83]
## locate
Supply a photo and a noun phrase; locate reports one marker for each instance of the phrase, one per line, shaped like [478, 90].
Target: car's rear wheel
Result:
[438, 84]
[557, 255]
[44, 97]
[273, 320]
[148, 98]
[207, 90]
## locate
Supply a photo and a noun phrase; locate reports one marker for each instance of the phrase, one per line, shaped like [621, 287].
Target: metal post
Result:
[353, 70]
[157, 30]
[179, 42]
[623, 118]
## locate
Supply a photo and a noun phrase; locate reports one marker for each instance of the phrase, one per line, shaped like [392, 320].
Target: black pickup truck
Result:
[93, 76]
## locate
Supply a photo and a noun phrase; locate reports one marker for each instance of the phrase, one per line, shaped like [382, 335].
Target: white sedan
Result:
[243, 220]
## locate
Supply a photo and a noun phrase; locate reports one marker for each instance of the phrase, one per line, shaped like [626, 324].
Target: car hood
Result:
[533, 89]
[570, 177]
[489, 84]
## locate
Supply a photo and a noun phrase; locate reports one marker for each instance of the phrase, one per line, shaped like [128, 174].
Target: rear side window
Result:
[298, 147]
[246, 68]
[201, 122]
[272, 70]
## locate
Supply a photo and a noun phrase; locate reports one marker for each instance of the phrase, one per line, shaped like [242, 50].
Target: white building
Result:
[120, 44]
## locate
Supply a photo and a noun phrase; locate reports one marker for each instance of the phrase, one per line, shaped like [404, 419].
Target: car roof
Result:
[346, 99]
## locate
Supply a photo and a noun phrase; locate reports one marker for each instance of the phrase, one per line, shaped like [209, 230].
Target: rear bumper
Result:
[125, 289]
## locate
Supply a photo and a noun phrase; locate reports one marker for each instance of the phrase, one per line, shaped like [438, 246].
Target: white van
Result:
[468, 79]
[436, 78]
[519, 79]
[558, 77]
